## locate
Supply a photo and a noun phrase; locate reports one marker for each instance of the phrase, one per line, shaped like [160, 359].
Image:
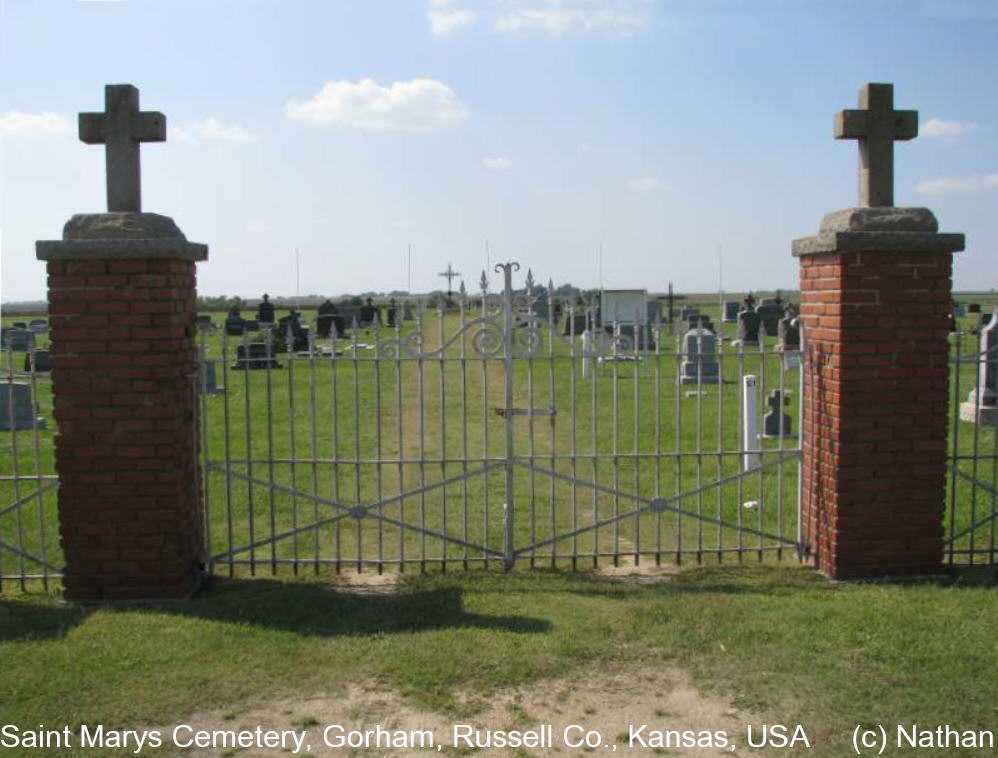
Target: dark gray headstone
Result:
[575, 324]
[18, 339]
[42, 362]
[748, 327]
[235, 326]
[38, 326]
[701, 321]
[771, 422]
[407, 312]
[770, 315]
[17, 411]
[255, 355]
[974, 308]
[731, 308]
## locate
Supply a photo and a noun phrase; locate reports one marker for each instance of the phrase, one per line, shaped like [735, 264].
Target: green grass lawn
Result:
[780, 644]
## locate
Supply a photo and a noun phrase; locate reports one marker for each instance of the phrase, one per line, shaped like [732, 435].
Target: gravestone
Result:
[653, 311]
[18, 339]
[982, 403]
[208, 382]
[265, 311]
[324, 319]
[974, 308]
[16, 409]
[205, 320]
[771, 422]
[788, 330]
[251, 325]
[235, 326]
[631, 334]
[959, 310]
[38, 326]
[688, 311]
[407, 311]
[575, 324]
[20, 325]
[702, 321]
[42, 362]
[700, 362]
[770, 315]
[748, 328]
[985, 319]
[255, 355]
[730, 312]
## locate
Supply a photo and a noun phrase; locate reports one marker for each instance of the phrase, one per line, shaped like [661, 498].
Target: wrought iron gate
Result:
[491, 437]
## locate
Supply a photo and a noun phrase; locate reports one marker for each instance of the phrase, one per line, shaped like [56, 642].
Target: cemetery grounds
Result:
[743, 628]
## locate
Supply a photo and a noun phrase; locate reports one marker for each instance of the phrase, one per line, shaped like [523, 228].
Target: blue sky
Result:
[677, 134]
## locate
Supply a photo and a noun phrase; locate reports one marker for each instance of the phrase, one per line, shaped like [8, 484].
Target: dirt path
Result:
[609, 702]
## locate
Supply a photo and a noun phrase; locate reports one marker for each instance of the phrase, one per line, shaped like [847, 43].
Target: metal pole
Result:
[508, 335]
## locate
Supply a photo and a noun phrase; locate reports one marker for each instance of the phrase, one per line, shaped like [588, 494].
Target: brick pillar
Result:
[875, 300]
[122, 313]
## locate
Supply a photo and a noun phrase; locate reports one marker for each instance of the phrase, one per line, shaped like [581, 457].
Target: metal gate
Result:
[971, 522]
[479, 432]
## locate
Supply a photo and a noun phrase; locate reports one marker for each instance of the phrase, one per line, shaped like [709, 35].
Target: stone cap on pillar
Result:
[879, 230]
[121, 236]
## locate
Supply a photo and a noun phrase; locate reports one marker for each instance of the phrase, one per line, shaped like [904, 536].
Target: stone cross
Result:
[876, 126]
[121, 127]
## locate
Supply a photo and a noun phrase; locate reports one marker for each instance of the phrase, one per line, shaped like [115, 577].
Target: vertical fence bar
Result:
[377, 440]
[334, 411]
[314, 447]
[443, 431]
[464, 424]
[508, 344]
[269, 342]
[355, 363]
[289, 338]
[248, 424]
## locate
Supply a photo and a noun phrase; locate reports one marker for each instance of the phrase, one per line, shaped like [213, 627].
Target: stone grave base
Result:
[975, 414]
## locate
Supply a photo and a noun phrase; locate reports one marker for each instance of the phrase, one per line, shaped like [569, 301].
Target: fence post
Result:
[875, 297]
[122, 305]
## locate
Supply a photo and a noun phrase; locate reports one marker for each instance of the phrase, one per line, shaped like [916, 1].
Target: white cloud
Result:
[211, 128]
[178, 133]
[644, 184]
[967, 184]
[558, 17]
[444, 22]
[499, 163]
[936, 127]
[19, 124]
[419, 105]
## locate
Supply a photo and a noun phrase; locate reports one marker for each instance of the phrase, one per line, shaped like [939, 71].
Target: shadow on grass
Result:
[27, 620]
[305, 608]
[319, 609]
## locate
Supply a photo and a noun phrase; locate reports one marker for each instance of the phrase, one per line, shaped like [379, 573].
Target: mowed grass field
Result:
[417, 444]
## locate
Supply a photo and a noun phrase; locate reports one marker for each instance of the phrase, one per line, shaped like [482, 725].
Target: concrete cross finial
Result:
[121, 127]
[876, 126]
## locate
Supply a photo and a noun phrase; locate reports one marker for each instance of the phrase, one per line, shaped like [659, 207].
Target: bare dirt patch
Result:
[605, 702]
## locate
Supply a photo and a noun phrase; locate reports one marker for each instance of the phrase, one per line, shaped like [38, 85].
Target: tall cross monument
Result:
[122, 324]
[877, 471]
[120, 128]
[876, 125]
[450, 274]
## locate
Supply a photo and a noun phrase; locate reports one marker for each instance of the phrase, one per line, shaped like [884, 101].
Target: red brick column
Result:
[124, 371]
[875, 299]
